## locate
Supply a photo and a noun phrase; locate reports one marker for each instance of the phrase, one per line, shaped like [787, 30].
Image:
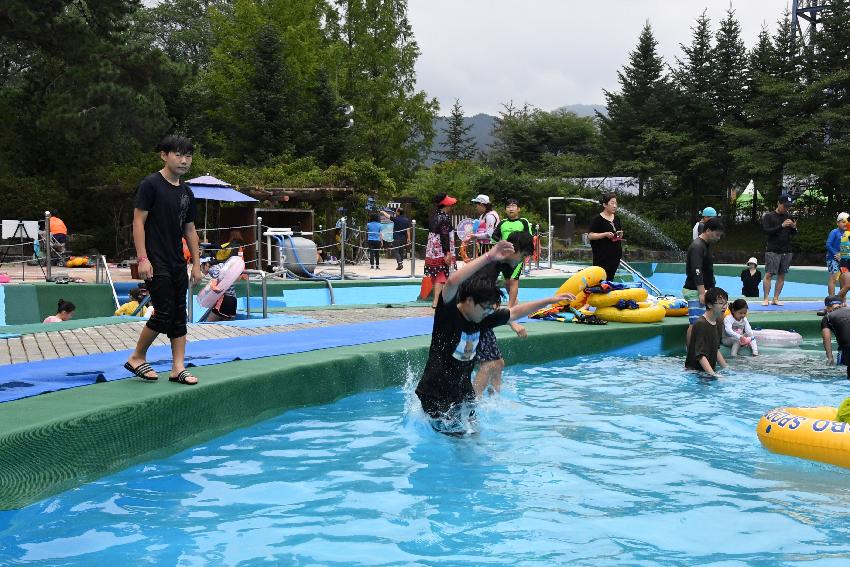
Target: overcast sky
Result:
[551, 53]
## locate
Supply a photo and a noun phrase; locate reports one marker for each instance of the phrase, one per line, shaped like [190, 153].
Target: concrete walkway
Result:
[123, 336]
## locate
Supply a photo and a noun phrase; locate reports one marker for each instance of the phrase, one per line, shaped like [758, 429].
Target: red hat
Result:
[447, 201]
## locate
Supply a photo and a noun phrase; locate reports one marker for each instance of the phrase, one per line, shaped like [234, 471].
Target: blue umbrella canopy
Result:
[214, 189]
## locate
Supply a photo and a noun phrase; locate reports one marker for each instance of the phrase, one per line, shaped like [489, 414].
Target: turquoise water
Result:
[594, 460]
[672, 284]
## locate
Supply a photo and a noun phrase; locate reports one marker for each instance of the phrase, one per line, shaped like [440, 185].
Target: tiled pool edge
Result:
[57, 441]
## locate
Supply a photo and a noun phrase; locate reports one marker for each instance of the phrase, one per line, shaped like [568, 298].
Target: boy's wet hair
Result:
[176, 144]
[523, 242]
[713, 224]
[715, 293]
[482, 290]
[739, 304]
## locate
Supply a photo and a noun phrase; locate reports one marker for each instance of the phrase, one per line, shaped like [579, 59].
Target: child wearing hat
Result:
[833, 251]
[751, 278]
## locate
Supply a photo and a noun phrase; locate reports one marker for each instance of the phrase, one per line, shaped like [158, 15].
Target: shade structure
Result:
[216, 193]
[214, 189]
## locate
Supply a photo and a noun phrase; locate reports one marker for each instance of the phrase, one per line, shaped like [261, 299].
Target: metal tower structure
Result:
[807, 10]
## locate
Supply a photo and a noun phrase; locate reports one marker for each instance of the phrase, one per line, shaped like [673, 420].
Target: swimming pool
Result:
[595, 460]
[671, 284]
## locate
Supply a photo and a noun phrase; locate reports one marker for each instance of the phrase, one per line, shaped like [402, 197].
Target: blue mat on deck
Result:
[271, 321]
[32, 378]
[814, 306]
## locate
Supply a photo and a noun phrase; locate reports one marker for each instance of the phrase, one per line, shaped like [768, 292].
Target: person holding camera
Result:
[605, 234]
[780, 226]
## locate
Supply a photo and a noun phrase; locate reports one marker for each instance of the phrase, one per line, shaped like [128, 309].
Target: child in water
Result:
[64, 311]
[737, 332]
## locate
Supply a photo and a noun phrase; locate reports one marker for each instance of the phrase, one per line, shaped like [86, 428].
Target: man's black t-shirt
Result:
[400, 225]
[699, 267]
[446, 379]
[838, 322]
[778, 236]
[170, 208]
[705, 341]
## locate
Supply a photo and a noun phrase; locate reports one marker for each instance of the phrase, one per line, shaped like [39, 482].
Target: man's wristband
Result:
[140, 258]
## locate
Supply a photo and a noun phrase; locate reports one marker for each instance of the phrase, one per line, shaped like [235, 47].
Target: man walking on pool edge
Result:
[779, 226]
[164, 214]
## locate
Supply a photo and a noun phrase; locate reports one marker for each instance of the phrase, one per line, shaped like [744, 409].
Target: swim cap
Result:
[843, 413]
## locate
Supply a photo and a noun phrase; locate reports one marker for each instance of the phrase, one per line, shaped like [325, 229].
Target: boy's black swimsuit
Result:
[446, 380]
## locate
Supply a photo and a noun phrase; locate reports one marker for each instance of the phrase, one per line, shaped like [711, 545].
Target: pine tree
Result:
[328, 124]
[458, 145]
[637, 108]
[763, 145]
[691, 143]
[729, 87]
[269, 113]
[829, 96]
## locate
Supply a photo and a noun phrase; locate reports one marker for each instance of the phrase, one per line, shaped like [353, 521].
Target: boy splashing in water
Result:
[466, 306]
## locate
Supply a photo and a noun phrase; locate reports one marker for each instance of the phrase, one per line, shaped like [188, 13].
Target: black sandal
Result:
[181, 378]
[141, 371]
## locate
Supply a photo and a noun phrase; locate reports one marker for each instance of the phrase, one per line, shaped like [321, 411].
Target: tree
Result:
[632, 112]
[555, 143]
[690, 143]
[269, 113]
[729, 89]
[393, 123]
[828, 96]
[763, 145]
[328, 123]
[459, 145]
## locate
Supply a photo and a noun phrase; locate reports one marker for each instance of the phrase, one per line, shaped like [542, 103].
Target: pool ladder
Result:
[640, 277]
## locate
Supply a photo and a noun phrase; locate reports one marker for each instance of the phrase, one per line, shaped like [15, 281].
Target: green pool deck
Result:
[56, 441]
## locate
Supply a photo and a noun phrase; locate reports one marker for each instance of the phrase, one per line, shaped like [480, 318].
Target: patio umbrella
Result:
[210, 188]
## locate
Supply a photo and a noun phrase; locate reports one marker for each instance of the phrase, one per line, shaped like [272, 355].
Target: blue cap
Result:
[709, 212]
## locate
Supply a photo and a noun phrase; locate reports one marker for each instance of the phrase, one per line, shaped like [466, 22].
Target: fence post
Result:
[537, 246]
[47, 248]
[551, 233]
[259, 244]
[413, 249]
[343, 235]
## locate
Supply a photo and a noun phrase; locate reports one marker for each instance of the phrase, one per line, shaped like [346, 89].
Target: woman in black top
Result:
[606, 234]
[751, 278]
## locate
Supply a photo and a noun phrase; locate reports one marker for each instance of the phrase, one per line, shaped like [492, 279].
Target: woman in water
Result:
[64, 311]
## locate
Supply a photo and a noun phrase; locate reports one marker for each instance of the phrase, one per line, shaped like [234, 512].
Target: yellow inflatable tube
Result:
[611, 298]
[675, 307]
[587, 277]
[808, 433]
[648, 314]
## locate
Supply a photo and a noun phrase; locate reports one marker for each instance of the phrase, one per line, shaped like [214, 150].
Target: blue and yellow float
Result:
[808, 433]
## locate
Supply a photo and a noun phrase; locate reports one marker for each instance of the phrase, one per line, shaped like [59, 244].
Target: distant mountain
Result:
[482, 127]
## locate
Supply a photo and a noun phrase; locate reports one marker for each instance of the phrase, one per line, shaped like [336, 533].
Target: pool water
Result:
[671, 284]
[595, 460]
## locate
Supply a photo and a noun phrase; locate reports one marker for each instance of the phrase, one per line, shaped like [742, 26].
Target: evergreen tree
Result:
[765, 142]
[458, 145]
[632, 112]
[328, 124]
[269, 115]
[829, 96]
[690, 143]
[729, 87]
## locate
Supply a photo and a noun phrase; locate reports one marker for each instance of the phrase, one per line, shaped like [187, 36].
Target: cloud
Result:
[552, 52]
